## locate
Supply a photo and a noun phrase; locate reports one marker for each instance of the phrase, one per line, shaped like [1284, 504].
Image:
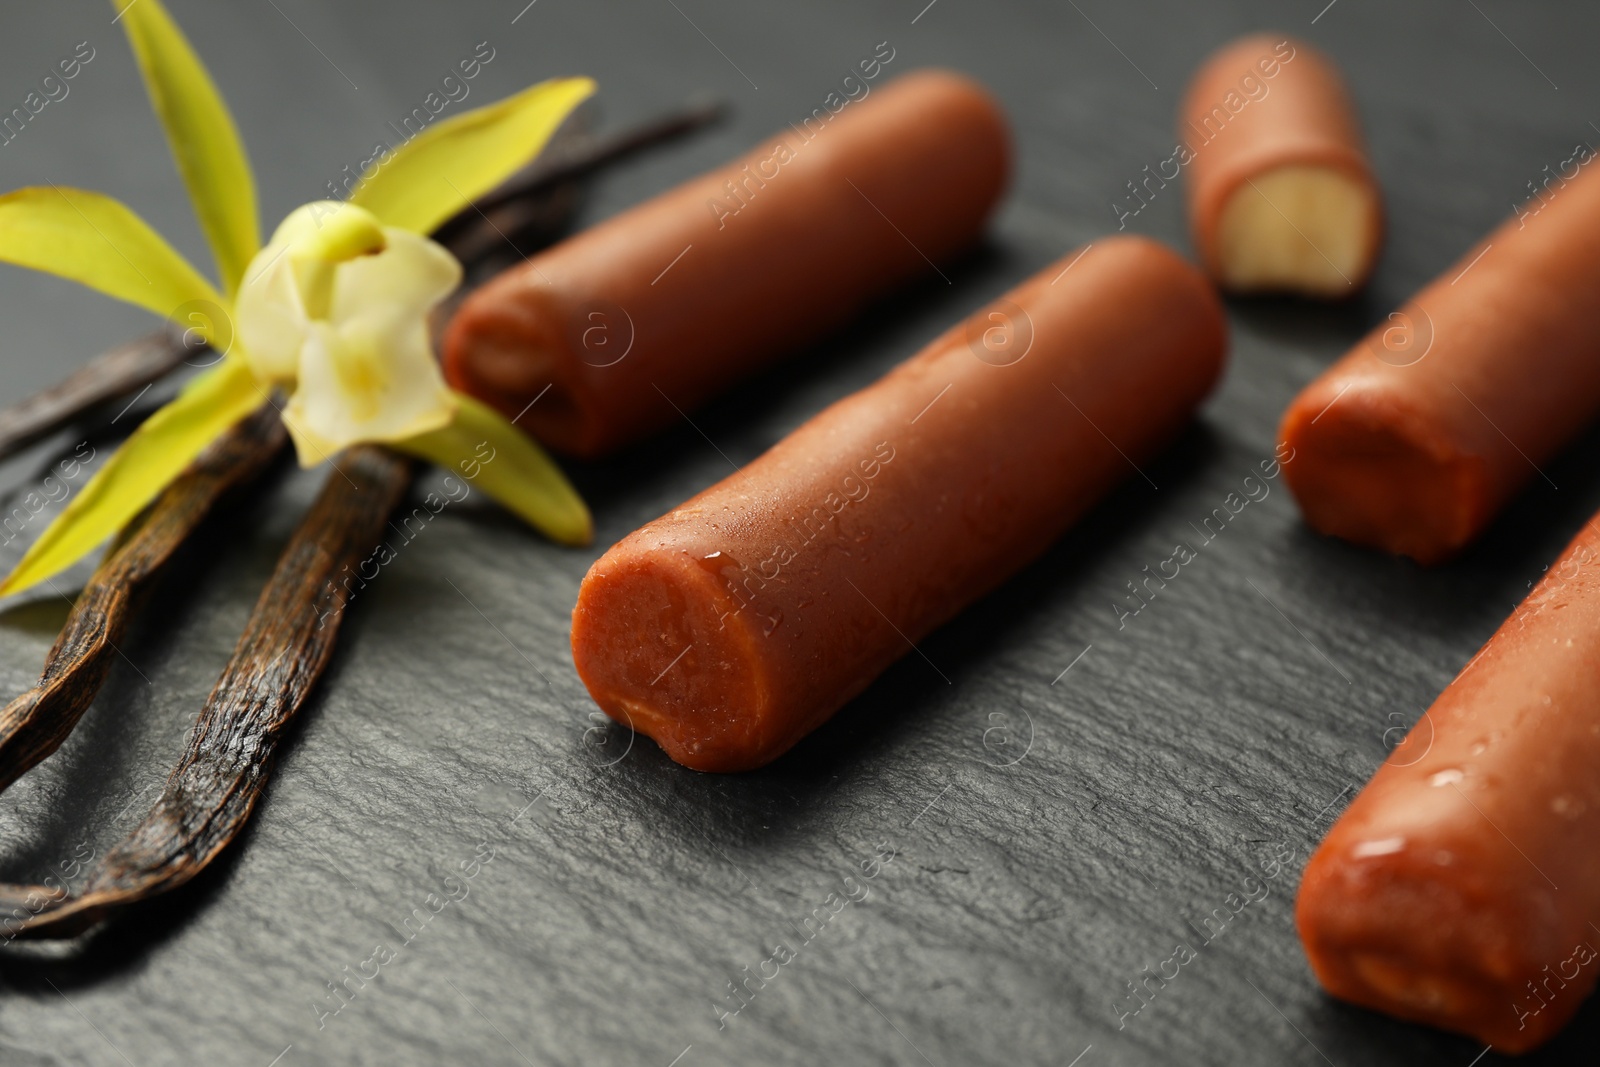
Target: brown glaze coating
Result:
[652, 312]
[1462, 886]
[740, 621]
[1264, 103]
[1416, 438]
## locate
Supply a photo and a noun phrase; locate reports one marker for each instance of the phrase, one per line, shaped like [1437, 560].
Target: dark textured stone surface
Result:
[1050, 839]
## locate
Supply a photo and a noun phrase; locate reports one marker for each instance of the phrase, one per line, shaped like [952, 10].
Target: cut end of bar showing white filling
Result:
[1299, 229]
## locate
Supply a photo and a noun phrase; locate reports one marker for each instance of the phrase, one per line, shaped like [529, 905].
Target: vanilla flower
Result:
[333, 312]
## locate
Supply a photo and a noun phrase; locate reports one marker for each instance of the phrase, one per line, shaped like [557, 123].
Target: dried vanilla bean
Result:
[34, 724]
[590, 152]
[291, 632]
[284, 649]
[115, 374]
[532, 207]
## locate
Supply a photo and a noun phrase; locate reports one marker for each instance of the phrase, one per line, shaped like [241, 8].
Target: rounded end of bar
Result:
[971, 108]
[1465, 966]
[1365, 469]
[1156, 259]
[1308, 229]
[507, 349]
[664, 649]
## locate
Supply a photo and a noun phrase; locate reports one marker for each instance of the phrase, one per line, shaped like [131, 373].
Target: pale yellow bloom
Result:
[336, 309]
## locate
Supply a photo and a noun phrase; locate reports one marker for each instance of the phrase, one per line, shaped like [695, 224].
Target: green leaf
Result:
[153, 456]
[493, 455]
[446, 166]
[204, 141]
[97, 241]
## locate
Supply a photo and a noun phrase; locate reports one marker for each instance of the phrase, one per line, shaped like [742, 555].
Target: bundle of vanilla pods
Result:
[291, 633]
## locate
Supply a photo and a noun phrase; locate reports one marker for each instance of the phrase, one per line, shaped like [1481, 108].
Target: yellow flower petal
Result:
[97, 241]
[292, 281]
[201, 133]
[372, 379]
[157, 452]
[412, 273]
[493, 455]
[435, 175]
[330, 231]
[339, 307]
[270, 317]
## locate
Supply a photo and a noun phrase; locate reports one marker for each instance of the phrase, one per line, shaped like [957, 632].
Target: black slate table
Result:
[1027, 824]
